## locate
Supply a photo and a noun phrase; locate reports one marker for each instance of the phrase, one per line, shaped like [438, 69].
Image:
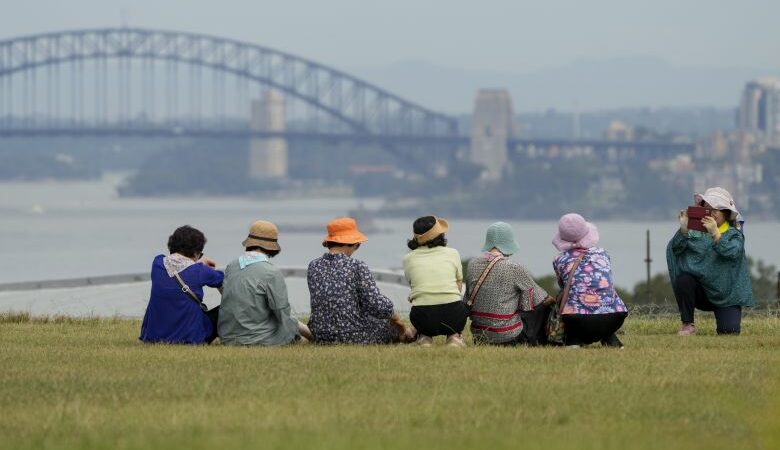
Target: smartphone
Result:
[695, 214]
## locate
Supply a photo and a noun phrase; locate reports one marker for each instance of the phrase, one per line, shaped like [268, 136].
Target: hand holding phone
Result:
[683, 219]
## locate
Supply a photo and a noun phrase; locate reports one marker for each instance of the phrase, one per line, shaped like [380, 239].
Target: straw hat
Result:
[440, 227]
[575, 232]
[501, 236]
[263, 234]
[344, 230]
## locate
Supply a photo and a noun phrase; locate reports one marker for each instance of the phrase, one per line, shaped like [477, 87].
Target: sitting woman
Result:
[709, 270]
[255, 308]
[592, 311]
[435, 274]
[176, 313]
[500, 291]
[346, 305]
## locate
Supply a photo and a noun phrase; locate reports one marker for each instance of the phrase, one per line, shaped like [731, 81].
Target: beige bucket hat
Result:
[263, 234]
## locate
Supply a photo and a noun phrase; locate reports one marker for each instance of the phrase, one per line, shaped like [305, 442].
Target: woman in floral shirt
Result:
[593, 310]
[346, 305]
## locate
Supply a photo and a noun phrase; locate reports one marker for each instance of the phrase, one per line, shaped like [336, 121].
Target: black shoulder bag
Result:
[186, 289]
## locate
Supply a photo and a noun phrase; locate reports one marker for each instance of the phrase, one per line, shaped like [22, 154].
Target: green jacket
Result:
[721, 268]
[254, 308]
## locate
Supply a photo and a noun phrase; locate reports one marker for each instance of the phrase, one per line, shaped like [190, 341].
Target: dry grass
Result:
[88, 383]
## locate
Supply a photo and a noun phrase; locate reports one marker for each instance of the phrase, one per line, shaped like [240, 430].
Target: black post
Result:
[648, 261]
[778, 288]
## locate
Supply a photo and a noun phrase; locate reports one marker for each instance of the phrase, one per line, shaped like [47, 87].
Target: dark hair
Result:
[420, 226]
[331, 244]
[257, 248]
[187, 241]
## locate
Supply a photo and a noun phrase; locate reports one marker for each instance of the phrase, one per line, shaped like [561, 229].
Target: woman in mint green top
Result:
[709, 269]
[435, 274]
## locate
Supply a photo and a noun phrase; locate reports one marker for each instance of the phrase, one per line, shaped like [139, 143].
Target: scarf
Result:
[176, 263]
[249, 258]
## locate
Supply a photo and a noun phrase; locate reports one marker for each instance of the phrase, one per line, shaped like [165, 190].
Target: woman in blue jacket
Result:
[174, 316]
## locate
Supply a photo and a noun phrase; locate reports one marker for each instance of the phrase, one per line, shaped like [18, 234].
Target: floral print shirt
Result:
[592, 291]
[346, 305]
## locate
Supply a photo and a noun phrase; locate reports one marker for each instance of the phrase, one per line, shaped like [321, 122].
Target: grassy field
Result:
[90, 384]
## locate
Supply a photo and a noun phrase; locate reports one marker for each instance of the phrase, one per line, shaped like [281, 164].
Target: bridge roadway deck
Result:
[367, 138]
[127, 295]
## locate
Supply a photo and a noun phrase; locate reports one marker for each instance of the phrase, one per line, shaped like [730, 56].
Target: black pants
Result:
[437, 320]
[213, 315]
[690, 295]
[582, 329]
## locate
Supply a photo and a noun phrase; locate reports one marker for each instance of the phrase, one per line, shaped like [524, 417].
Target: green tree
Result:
[763, 276]
[764, 279]
[659, 291]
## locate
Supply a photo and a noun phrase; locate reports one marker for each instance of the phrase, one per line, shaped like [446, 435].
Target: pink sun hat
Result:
[575, 232]
[718, 198]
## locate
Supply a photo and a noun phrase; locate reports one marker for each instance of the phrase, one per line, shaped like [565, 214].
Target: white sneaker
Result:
[573, 347]
[455, 340]
[423, 340]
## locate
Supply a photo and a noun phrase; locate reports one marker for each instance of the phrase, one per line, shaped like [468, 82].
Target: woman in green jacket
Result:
[709, 270]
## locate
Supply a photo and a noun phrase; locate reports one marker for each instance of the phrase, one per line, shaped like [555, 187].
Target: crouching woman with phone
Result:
[707, 264]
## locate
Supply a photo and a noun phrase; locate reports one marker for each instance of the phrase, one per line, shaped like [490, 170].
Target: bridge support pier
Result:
[492, 127]
[268, 156]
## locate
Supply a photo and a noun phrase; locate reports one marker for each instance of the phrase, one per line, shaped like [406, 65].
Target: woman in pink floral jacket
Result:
[592, 311]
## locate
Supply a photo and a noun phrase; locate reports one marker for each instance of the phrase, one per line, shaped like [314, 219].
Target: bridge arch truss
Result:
[359, 106]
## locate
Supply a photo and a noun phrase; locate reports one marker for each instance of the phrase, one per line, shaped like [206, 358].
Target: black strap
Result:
[186, 289]
[260, 238]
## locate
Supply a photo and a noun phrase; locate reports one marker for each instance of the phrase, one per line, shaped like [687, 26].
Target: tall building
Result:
[268, 156]
[619, 131]
[492, 125]
[759, 109]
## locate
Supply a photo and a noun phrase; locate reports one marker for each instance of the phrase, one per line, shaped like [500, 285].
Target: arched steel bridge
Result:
[151, 83]
[361, 107]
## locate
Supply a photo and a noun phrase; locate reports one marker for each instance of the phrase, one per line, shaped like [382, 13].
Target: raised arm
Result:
[679, 242]
[730, 246]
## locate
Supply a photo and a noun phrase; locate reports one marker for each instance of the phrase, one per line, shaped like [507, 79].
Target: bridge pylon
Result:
[492, 128]
[268, 156]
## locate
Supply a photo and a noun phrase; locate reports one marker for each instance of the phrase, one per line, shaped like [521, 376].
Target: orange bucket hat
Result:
[344, 230]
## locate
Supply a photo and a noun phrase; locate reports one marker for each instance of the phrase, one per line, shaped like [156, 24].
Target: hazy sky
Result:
[510, 35]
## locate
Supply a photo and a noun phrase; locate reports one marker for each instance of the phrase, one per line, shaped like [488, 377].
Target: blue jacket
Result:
[172, 316]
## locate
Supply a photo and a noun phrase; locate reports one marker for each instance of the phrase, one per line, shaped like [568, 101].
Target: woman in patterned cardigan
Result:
[346, 304]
